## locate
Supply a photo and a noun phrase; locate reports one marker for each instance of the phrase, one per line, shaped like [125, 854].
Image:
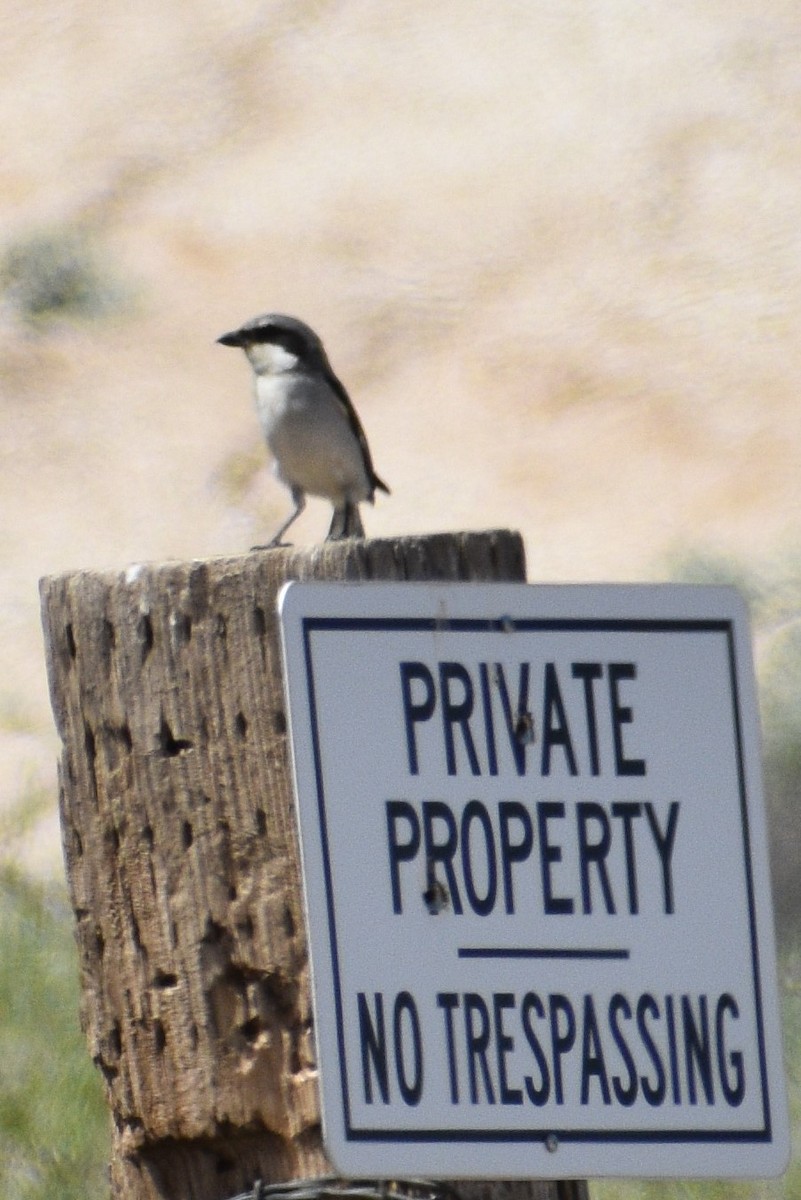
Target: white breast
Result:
[310, 438]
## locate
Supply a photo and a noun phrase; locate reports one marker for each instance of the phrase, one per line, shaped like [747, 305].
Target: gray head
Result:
[276, 343]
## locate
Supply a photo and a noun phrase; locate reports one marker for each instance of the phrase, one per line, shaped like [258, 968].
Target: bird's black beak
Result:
[230, 339]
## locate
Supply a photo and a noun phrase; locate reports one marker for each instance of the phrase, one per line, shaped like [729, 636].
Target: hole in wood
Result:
[135, 934]
[72, 649]
[182, 625]
[246, 927]
[116, 739]
[109, 1071]
[108, 640]
[279, 992]
[241, 726]
[90, 744]
[251, 1029]
[115, 1040]
[165, 979]
[144, 632]
[187, 835]
[168, 743]
[91, 756]
[213, 933]
[259, 621]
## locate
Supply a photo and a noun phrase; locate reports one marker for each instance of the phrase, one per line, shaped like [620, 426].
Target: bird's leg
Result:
[336, 530]
[345, 523]
[353, 521]
[299, 499]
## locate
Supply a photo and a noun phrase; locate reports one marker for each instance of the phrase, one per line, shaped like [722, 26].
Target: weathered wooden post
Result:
[181, 856]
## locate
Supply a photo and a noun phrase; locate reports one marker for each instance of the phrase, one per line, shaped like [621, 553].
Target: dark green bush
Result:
[774, 596]
[53, 1122]
[55, 275]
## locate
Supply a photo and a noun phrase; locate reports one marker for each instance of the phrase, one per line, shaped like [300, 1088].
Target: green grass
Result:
[53, 1121]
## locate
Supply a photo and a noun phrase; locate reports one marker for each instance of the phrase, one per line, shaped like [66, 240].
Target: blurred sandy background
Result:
[552, 247]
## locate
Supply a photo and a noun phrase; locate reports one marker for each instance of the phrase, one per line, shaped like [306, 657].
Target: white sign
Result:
[536, 876]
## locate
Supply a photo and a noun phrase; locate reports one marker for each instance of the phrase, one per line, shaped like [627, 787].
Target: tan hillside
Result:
[552, 248]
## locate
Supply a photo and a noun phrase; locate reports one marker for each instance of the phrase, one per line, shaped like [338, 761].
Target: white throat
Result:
[267, 358]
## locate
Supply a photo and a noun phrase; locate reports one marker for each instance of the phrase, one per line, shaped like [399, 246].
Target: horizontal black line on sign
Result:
[540, 952]
[636, 1136]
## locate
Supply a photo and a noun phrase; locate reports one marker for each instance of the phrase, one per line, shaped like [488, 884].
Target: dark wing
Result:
[356, 426]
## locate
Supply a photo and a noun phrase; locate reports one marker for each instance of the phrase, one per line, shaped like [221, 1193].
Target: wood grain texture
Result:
[181, 854]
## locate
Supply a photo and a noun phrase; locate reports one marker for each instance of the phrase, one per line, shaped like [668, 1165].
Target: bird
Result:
[309, 423]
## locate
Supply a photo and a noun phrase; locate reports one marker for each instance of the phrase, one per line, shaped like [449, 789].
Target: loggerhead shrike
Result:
[308, 420]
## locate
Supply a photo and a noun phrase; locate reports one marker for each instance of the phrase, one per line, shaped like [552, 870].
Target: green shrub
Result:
[54, 275]
[774, 597]
[781, 723]
[53, 1121]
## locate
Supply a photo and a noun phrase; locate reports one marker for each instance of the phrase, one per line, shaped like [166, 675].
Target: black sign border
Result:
[506, 624]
